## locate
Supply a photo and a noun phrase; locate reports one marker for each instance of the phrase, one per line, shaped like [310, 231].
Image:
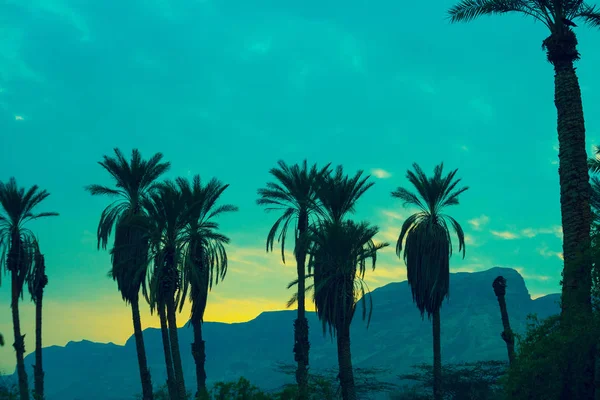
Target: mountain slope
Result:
[396, 338]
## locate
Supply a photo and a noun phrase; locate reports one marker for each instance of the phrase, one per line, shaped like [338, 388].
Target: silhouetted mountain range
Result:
[396, 339]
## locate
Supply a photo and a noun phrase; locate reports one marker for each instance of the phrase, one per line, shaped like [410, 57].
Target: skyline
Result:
[287, 87]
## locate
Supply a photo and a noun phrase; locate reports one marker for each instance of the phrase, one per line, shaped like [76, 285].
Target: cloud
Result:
[506, 235]
[531, 232]
[464, 148]
[546, 253]
[380, 173]
[478, 223]
[470, 240]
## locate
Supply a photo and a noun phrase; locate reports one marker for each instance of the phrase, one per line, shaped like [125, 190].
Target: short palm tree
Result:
[428, 247]
[17, 208]
[294, 194]
[205, 258]
[134, 180]
[36, 282]
[339, 254]
[499, 286]
[166, 211]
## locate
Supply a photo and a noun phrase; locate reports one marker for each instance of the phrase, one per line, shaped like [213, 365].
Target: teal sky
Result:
[225, 89]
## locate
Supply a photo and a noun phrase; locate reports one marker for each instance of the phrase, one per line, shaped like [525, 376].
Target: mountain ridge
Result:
[471, 327]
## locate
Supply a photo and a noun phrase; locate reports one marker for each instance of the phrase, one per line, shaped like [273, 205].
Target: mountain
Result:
[396, 339]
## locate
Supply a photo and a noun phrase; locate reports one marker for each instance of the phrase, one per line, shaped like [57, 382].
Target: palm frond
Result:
[426, 237]
[590, 14]
[468, 10]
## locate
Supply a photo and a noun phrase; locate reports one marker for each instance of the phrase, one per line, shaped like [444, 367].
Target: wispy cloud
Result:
[380, 173]
[464, 148]
[506, 235]
[532, 232]
[479, 222]
[545, 252]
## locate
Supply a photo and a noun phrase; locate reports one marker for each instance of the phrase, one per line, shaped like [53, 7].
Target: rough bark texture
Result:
[199, 354]
[164, 330]
[38, 370]
[174, 337]
[574, 188]
[345, 363]
[576, 214]
[17, 275]
[507, 335]
[301, 343]
[437, 357]
[19, 343]
[141, 351]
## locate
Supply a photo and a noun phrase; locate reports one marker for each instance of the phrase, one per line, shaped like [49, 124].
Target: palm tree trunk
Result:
[574, 191]
[199, 353]
[576, 214]
[19, 344]
[164, 330]
[141, 350]
[174, 337]
[437, 357]
[507, 334]
[38, 370]
[301, 343]
[345, 363]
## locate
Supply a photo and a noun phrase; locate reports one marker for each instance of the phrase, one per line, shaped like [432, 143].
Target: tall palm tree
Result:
[205, 258]
[294, 193]
[562, 53]
[158, 288]
[499, 286]
[339, 254]
[561, 50]
[17, 209]
[428, 247]
[134, 180]
[36, 282]
[166, 208]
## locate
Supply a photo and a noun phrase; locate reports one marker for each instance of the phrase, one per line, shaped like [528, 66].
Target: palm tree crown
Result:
[134, 181]
[428, 246]
[17, 206]
[205, 257]
[339, 253]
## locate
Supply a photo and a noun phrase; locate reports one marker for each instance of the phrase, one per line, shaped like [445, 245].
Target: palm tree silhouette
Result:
[17, 208]
[134, 181]
[562, 53]
[36, 282]
[428, 247]
[166, 213]
[294, 193]
[339, 250]
[205, 258]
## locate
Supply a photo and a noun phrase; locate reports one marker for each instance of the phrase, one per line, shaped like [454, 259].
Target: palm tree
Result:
[499, 286]
[339, 253]
[18, 208]
[205, 258]
[561, 51]
[428, 247]
[294, 194]
[36, 282]
[134, 182]
[339, 250]
[166, 208]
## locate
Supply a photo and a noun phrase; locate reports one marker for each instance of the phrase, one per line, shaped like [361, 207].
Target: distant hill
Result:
[396, 339]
